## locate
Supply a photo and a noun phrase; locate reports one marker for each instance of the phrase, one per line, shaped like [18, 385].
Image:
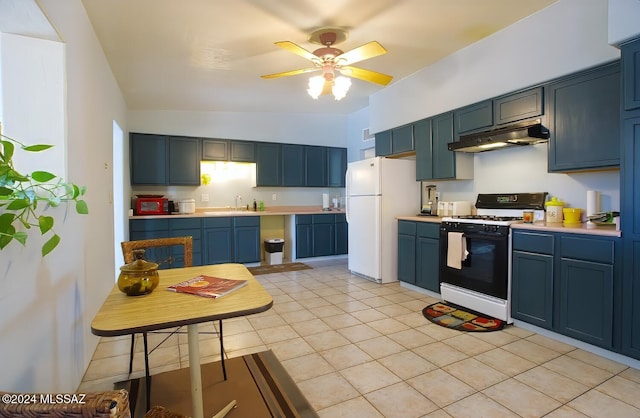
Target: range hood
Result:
[524, 133]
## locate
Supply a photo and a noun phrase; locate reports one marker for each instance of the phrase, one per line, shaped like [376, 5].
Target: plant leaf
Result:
[37, 148]
[42, 176]
[6, 236]
[21, 237]
[45, 223]
[7, 148]
[81, 207]
[76, 192]
[6, 219]
[5, 191]
[18, 204]
[52, 243]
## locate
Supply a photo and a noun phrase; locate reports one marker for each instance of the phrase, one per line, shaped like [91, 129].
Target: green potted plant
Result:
[23, 198]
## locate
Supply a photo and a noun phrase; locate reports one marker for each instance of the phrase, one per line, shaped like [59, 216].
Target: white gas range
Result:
[475, 252]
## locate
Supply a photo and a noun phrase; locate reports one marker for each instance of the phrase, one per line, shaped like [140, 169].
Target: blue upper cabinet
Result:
[527, 104]
[315, 167]
[184, 161]
[148, 159]
[293, 165]
[242, 151]
[336, 167]
[424, 149]
[631, 74]
[476, 117]
[162, 160]
[384, 143]
[402, 140]
[268, 164]
[584, 120]
[395, 141]
[215, 149]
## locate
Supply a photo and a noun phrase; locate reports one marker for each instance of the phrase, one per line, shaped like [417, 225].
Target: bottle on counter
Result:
[255, 205]
[261, 205]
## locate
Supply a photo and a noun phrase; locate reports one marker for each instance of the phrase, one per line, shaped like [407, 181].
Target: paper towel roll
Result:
[325, 200]
[593, 202]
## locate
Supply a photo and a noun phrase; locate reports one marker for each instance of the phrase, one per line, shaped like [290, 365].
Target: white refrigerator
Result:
[377, 190]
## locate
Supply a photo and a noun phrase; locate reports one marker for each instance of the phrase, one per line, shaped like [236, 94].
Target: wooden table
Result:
[124, 315]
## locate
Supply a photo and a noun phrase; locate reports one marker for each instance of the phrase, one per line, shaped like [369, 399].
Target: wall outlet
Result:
[273, 197]
[204, 197]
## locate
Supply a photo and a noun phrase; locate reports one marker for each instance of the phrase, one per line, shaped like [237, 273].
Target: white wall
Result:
[305, 128]
[46, 305]
[624, 20]
[567, 36]
[358, 122]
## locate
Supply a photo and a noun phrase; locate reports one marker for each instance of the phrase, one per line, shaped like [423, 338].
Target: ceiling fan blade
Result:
[366, 75]
[297, 49]
[366, 51]
[288, 73]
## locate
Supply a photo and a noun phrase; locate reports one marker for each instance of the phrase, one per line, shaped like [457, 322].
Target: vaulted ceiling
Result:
[208, 55]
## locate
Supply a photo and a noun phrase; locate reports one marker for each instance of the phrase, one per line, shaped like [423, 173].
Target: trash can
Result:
[273, 250]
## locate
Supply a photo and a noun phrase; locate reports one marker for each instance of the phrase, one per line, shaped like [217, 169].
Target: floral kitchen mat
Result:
[449, 315]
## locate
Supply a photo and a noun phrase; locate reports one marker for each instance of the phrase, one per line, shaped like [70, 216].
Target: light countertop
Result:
[582, 228]
[269, 211]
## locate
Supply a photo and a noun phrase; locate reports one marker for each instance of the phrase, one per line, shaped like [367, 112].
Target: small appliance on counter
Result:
[146, 204]
[428, 200]
[187, 206]
[455, 208]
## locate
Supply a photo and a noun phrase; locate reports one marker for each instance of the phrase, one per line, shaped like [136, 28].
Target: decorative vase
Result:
[139, 277]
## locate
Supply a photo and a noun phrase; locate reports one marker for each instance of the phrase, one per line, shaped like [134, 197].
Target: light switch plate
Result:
[204, 197]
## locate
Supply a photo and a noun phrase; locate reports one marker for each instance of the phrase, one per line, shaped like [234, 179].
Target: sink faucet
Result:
[238, 199]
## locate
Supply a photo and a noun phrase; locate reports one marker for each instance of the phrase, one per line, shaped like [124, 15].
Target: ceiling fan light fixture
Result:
[316, 84]
[340, 87]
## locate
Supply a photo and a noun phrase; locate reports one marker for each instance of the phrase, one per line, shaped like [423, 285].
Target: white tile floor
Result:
[359, 349]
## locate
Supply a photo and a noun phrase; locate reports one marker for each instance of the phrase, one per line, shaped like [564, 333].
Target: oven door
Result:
[486, 267]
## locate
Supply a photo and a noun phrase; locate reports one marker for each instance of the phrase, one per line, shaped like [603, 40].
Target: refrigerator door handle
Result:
[348, 195]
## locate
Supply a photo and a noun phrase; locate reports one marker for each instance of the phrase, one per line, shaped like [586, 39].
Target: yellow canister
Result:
[554, 210]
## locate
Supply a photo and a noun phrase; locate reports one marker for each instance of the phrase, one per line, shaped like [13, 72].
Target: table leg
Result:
[194, 372]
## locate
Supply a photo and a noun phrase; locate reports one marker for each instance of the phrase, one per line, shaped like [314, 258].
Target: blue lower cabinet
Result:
[407, 251]
[247, 239]
[532, 288]
[218, 240]
[585, 308]
[418, 254]
[342, 235]
[568, 283]
[428, 256]
[187, 227]
[321, 235]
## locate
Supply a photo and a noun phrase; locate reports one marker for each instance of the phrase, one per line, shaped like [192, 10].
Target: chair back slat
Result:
[157, 243]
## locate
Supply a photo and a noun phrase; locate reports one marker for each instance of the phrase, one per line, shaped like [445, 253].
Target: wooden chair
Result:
[162, 251]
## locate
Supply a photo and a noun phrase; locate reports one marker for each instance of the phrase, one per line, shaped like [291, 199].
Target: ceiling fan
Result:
[330, 60]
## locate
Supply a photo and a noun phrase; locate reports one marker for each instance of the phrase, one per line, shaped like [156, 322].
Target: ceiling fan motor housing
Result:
[327, 53]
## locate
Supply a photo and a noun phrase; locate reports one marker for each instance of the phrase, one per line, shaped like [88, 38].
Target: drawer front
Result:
[587, 249]
[324, 219]
[303, 219]
[215, 222]
[341, 218]
[149, 224]
[429, 230]
[533, 242]
[406, 227]
[247, 220]
[183, 223]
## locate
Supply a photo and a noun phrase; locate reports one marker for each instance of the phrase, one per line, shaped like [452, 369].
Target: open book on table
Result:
[208, 286]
